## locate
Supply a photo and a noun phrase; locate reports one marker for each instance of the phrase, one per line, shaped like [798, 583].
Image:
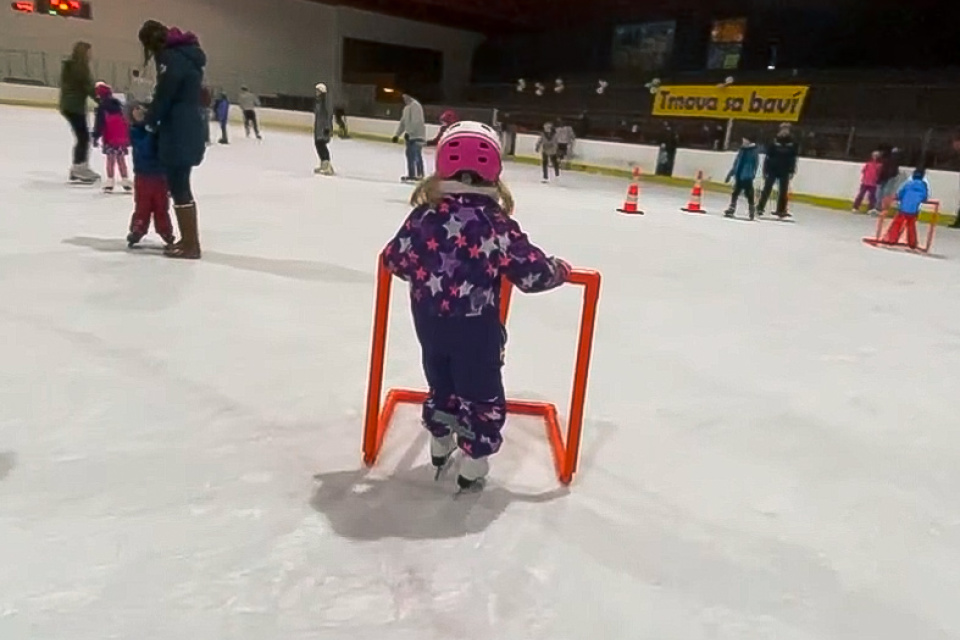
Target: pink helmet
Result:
[469, 146]
[102, 90]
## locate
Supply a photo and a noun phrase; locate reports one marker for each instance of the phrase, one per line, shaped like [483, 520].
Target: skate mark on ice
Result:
[308, 270]
[8, 460]
[104, 245]
[409, 504]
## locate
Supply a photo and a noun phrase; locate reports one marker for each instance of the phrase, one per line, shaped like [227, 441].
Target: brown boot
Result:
[189, 246]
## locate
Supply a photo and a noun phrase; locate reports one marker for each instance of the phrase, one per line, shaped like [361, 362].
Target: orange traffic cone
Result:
[633, 195]
[696, 196]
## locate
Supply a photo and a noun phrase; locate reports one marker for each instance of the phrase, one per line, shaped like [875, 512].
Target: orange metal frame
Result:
[566, 452]
[878, 240]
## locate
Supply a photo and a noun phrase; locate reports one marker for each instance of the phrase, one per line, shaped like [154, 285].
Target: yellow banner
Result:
[782, 104]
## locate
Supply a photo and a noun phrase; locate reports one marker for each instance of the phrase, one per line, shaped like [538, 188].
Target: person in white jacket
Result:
[248, 104]
[565, 139]
[414, 129]
[140, 90]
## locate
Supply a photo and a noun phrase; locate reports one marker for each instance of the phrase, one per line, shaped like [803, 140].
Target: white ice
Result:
[770, 451]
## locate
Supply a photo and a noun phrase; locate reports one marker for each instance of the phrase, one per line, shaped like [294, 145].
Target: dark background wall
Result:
[817, 34]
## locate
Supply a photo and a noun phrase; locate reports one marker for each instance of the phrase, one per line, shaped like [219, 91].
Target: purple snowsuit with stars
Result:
[453, 256]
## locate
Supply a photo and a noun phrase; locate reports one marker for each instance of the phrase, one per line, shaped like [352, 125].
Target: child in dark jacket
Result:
[447, 118]
[910, 197]
[221, 109]
[111, 127]
[453, 249]
[743, 173]
[149, 183]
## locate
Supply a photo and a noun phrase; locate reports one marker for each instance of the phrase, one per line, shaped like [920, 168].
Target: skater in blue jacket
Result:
[743, 173]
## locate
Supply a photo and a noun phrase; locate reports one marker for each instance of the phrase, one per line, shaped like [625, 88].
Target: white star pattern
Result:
[453, 227]
[504, 241]
[404, 245]
[530, 280]
[435, 284]
[488, 246]
[465, 289]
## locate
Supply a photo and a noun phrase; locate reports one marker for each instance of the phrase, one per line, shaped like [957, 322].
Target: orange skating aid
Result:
[566, 450]
[696, 196]
[631, 202]
[891, 237]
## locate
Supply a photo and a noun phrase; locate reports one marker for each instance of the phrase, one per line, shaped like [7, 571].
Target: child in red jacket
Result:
[870, 179]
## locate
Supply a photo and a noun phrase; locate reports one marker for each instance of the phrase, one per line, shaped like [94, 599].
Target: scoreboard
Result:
[63, 8]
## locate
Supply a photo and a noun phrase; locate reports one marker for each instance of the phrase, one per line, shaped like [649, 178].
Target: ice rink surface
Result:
[771, 444]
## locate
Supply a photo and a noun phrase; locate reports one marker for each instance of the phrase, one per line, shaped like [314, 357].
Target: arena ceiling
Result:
[522, 15]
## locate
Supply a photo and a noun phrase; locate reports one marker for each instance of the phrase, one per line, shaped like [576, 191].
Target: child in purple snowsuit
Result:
[221, 110]
[453, 249]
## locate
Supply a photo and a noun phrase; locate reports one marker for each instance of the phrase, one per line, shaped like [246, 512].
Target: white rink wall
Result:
[831, 179]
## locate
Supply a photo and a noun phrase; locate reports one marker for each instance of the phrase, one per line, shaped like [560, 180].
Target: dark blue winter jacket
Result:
[221, 108]
[144, 143]
[175, 113]
[745, 166]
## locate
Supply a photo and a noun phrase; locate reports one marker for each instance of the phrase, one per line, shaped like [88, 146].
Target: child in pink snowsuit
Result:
[111, 126]
[868, 183]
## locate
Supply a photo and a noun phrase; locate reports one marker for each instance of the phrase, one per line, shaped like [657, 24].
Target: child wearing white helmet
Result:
[323, 129]
[453, 249]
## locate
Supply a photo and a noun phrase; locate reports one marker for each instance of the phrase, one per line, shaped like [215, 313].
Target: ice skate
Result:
[83, 174]
[752, 212]
[318, 171]
[108, 185]
[441, 452]
[326, 168]
[729, 212]
[473, 475]
[127, 185]
[133, 239]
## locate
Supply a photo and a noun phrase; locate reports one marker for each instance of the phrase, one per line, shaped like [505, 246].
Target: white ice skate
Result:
[441, 452]
[108, 185]
[127, 185]
[83, 174]
[473, 474]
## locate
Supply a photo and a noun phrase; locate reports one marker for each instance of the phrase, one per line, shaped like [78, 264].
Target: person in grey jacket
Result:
[322, 129]
[549, 148]
[413, 127]
[248, 104]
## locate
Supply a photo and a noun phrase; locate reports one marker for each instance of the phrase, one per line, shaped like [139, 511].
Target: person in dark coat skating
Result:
[175, 116]
[76, 86]
[778, 167]
[323, 130]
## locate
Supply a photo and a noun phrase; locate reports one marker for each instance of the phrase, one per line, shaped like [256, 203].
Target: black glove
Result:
[395, 139]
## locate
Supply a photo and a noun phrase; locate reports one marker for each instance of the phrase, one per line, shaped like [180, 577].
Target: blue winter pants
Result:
[414, 158]
[462, 363]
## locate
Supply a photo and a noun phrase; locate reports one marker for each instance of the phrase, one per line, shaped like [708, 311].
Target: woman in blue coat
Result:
[175, 116]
